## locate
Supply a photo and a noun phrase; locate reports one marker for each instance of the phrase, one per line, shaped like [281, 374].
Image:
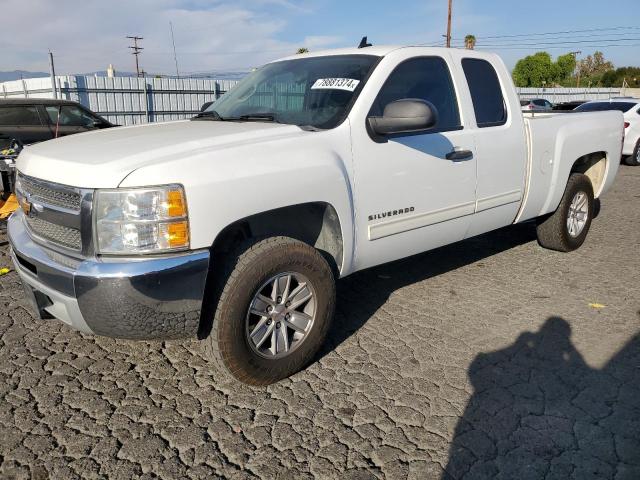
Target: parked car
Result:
[536, 105]
[32, 120]
[630, 107]
[567, 106]
[234, 227]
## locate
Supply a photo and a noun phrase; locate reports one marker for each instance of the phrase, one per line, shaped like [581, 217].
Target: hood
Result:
[103, 158]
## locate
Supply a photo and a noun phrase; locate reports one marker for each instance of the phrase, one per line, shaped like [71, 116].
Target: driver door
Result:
[409, 196]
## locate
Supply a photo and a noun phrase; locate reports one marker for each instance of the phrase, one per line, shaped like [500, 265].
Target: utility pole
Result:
[449, 26]
[175, 57]
[575, 56]
[52, 72]
[136, 51]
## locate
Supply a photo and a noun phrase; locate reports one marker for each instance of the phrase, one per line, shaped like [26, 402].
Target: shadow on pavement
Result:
[539, 411]
[360, 295]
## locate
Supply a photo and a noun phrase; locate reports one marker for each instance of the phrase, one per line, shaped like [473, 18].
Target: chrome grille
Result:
[65, 236]
[60, 196]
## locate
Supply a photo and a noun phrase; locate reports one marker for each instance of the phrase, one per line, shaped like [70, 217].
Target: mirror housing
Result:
[407, 115]
[205, 105]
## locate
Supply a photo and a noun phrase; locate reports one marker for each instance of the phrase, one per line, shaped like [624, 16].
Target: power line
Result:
[513, 47]
[560, 32]
[568, 42]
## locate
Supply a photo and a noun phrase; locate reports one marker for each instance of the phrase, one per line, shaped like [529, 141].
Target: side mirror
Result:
[205, 105]
[405, 116]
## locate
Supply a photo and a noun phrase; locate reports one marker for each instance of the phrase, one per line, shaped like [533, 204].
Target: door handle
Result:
[458, 154]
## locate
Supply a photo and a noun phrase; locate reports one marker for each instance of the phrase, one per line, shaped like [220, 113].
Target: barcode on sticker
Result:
[348, 84]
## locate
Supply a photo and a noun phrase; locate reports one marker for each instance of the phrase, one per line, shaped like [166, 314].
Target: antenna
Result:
[175, 57]
[136, 51]
[363, 43]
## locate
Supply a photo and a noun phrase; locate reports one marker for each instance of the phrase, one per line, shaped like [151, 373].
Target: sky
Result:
[224, 36]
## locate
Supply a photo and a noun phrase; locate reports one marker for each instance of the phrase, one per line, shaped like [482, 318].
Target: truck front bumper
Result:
[137, 298]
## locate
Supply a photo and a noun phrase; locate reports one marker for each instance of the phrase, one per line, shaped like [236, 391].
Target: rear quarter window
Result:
[486, 93]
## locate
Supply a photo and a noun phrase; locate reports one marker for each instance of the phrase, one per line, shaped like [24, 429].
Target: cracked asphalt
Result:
[490, 358]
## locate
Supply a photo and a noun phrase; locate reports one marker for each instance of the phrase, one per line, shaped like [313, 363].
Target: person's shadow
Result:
[539, 411]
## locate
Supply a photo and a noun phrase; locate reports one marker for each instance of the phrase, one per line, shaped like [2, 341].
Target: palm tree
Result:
[469, 42]
[302, 50]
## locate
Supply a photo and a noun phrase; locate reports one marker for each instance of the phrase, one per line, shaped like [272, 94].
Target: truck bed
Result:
[555, 142]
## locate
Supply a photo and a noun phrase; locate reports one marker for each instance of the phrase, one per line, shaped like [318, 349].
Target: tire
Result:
[250, 273]
[554, 231]
[633, 160]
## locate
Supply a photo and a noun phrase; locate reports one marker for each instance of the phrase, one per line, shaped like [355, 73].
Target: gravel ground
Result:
[486, 358]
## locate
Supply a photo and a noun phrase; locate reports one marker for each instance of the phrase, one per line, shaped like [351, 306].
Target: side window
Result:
[70, 116]
[486, 93]
[19, 115]
[426, 78]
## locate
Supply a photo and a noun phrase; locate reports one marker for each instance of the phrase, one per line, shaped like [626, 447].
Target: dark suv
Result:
[31, 120]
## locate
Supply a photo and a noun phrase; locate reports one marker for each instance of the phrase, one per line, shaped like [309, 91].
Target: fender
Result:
[230, 184]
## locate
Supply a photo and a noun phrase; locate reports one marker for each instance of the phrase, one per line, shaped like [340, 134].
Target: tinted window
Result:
[19, 115]
[70, 116]
[524, 102]
[427, 79]
[486, 93]
[603, 106]
[540, 103]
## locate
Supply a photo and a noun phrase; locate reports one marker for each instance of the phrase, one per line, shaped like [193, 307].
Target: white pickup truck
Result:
[234, 226]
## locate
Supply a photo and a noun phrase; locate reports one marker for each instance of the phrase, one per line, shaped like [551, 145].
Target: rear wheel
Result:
[566, 229]
[276, 303]
[634, 159]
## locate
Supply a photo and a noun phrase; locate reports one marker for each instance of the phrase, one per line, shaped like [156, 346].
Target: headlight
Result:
[141, 220]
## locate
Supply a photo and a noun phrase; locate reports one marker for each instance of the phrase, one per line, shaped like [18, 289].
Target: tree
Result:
[616, 78]
[302, 50]
[592, 68]
[469, 42]
[539, 69]
[533, 70]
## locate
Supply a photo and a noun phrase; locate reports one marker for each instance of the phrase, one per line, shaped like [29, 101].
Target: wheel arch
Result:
[314, 223]
[594, 166]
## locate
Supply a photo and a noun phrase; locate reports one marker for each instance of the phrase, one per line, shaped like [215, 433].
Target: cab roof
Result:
[381, 51]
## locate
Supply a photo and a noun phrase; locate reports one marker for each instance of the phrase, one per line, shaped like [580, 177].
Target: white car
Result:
[630, 107]
[234, 227]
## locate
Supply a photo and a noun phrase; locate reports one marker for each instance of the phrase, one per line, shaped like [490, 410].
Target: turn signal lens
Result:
[176, 206]
[177, 234]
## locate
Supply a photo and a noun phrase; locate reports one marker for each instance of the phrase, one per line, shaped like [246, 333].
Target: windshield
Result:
[602, 106]
[316, 91]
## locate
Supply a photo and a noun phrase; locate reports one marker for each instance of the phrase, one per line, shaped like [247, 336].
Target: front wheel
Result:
[274, 308]
[634, 159]
[566, 229]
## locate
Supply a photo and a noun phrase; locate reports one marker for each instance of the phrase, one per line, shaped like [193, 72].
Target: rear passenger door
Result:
[22, 122]
[501, 147]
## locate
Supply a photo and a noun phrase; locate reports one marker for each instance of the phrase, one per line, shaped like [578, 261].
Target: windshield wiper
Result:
[208, 115]
[257, 117]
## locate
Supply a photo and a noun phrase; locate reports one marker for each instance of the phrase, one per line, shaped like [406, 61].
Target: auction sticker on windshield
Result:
[348, 84]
